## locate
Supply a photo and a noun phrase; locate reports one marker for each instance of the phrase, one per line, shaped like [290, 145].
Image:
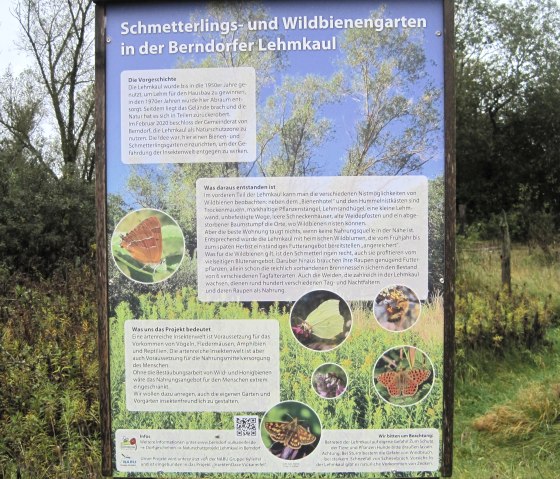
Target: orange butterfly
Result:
[290, 434]
[144, 242]
[403, 382]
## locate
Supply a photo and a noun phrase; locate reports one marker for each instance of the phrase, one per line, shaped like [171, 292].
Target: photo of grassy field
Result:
[359, 408]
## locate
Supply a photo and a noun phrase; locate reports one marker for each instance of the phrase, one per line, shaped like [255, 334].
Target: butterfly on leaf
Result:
[403, 382]
[290, 434]
[324, 322]
[144, 242]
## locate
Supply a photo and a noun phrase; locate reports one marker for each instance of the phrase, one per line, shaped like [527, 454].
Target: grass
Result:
[507, 416]
[479, 269]
[507, 410]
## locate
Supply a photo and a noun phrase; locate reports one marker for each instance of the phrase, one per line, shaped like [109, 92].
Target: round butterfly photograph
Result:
[148, 246]
[321, 320]
[403, 376]
[290, 430]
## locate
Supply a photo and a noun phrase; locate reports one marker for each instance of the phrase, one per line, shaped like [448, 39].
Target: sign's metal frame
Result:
[101, 40]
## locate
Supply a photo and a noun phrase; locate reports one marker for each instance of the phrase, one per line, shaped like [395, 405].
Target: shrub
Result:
[49, 423]
[500, 320]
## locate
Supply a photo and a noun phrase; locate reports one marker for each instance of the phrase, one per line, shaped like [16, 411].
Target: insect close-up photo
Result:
[329, 381]
[403, 376]
[321, 320]
[290, 430]
[397, 308]
[147, 246]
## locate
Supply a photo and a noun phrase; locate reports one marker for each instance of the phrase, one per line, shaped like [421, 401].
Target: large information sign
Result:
[275, 189]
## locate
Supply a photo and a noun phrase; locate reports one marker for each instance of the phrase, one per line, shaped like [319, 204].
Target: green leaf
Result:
[325, 320]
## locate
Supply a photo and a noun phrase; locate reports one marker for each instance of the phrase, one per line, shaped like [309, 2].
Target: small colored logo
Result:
[127, 443]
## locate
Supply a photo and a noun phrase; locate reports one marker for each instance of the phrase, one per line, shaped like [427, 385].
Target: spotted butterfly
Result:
[289, 434]
[403, 382]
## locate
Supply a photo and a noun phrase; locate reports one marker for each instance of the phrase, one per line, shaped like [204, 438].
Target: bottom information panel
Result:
[242, 450]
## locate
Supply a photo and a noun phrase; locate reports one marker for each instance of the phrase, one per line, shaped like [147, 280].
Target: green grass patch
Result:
[508, 350]
[506, 415]
[535, 274]
[508, 389]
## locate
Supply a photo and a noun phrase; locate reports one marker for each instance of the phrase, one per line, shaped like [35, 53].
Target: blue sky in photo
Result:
[298, 65]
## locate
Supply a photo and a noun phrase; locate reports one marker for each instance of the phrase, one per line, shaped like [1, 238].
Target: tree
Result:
[266, 64]
[386, 77]
[21, 113]
[44, 222]
[290, 129]
[507, 124]
[59, 38]
[46, 171]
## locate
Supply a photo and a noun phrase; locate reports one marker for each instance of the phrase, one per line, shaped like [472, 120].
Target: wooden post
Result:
[450, 219]
[462, 210]
[101, 240]
[506, 253]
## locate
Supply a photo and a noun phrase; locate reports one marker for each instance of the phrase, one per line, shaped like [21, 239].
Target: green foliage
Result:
[266, 64]
[500, 320]
[508, 97]
[384, 72]
[45, 222]
[49, 426]
[436, 233]
[291, 128]
[487, 317]
[122, 289]
[506, 414]
[491, 321]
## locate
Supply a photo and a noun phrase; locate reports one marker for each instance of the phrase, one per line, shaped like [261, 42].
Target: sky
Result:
[9, 28]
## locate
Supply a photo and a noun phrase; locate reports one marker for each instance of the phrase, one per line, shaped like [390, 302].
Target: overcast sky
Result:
[8, 33]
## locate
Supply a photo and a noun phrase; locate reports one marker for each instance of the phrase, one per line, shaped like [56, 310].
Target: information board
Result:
[275, 186]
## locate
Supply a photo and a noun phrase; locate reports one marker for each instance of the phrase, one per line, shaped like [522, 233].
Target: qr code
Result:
[246, 425]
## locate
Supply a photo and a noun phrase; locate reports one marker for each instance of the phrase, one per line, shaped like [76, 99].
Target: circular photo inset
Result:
[321, 320]
[290, 430]
[403, 376]
[148, 246]
[329, 381]
[396, 308]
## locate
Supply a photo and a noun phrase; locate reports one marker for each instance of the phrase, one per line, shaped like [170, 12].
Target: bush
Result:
[44, 222]
[500, 320]
[49, 426]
